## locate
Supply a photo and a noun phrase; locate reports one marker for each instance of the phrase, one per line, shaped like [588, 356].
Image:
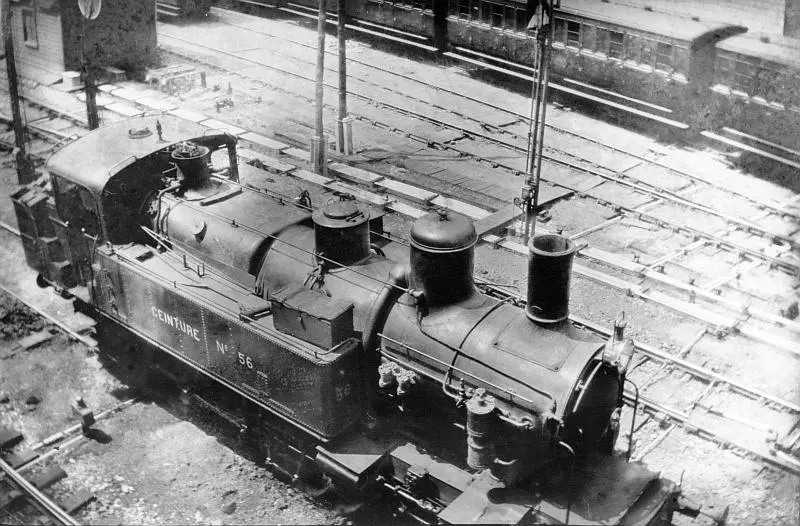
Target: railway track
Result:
[713, 380]
[22, 500]
[716, 239]
[15, 489]
[619, 177]
[64, 439]
[789, 265]
[763, 453]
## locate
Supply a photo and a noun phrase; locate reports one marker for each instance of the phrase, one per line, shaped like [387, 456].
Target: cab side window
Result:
[77, 206]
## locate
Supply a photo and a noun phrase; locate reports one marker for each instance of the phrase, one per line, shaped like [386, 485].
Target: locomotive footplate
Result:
[454, 495]
[357, 459]
[605, 490]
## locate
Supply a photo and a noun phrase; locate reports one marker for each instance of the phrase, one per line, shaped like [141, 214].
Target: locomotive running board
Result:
[355, 460]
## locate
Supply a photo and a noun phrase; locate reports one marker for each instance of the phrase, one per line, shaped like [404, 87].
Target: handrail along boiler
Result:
[376, 370]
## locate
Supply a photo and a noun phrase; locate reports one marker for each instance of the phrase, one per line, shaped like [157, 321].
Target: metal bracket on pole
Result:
[344, 136]
[319, 154]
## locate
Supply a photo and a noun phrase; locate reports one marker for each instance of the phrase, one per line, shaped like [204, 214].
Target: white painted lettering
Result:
[177, 323]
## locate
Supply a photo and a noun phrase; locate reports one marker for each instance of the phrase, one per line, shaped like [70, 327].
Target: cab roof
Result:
[97, 156]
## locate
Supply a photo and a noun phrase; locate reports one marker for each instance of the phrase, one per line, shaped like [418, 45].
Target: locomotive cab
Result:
[92, 205]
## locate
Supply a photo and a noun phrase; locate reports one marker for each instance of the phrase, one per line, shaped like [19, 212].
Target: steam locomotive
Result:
[368, 368]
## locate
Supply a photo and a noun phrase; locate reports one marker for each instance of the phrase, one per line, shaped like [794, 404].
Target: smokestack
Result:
[192, 162]
[549, 271]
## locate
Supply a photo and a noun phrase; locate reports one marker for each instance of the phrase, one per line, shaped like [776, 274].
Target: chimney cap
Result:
[440, 232]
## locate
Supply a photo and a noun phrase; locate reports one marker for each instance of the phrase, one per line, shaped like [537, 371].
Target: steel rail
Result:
[770, 318]
[61, 435]
[40, 498]
[759, 336]
[524, 118]
[783, 463]
[787, 464]
[645, 349]
[696, 370]
[718, 240]
[703, 373]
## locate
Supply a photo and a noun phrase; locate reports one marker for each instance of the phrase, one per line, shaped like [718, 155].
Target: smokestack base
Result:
[549, 272]
[192, 163]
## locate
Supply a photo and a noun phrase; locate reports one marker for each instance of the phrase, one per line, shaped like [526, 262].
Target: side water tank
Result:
[443, 257]
[341, 232]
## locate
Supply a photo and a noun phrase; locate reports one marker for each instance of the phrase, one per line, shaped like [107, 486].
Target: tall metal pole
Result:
[344, 133]
[530, 193]
[540, 141]
[533, 134]
[535, 106]
[319, 141]
[91, 100]
[24, 168]
[90, 9]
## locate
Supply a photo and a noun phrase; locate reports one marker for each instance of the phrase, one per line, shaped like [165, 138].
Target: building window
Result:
[29, 28]
[573, 33]
[475, 10]
[463, 9]
[742, 76]
[616, 41]
[724, 70]
[601, 40]
[497, 15]
[663, 56]
[764, 83]
[510, 18]
[646, 56]
[522, 20]
[560, 30]
[486, 12]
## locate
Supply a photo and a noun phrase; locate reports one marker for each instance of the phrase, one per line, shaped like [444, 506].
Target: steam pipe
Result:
[395, 286]
[571, 452]
[389, 294]
[633, 418]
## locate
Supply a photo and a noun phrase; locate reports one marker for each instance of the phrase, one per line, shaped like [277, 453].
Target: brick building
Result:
[49, 37]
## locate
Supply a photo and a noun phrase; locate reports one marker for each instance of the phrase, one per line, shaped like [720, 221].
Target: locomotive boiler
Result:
[374, 368]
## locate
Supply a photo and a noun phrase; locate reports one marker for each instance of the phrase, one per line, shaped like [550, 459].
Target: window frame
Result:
[611, 45]
[567, 40]
[670, 65]
[78, 211]
[743, 81]
[31, 41]
[494, 14]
